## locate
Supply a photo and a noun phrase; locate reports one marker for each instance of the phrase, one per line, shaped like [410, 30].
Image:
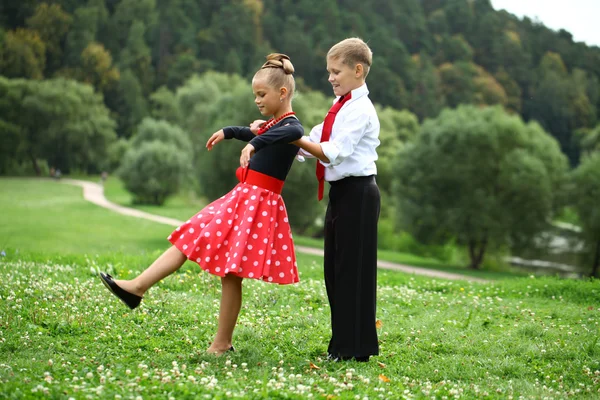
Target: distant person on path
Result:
[103, 177]
[345, 146]
[245, 233]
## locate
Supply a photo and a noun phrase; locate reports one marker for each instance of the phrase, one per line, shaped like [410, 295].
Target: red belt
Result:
[251, 177]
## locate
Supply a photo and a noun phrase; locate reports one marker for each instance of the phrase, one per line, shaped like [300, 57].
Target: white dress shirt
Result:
[354, 138]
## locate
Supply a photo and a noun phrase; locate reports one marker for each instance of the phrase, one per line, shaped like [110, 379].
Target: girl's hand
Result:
[254, 126]
[247, 153]
[214, 139]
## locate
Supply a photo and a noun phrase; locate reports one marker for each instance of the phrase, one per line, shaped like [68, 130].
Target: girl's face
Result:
[343, 78]
[266, 98]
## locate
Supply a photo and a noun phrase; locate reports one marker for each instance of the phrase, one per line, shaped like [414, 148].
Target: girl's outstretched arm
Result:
[214, 139]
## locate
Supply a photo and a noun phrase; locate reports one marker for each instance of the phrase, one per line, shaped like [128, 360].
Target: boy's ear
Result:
[359, 70]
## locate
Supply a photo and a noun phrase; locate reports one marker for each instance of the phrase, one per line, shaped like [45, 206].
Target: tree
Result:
[427, 95]
[129, 102]
[150, 130]
[153, 171]
[559, 102]
[454, 48]
[136, 56]
[233, 63]
[218, 40]
[585, 192]
[183, 66]
[23, 55]
[124, 17]
[52, 24]
[70, 126]
[164, 106]
[61, 121]
[87, 22]
[589, 140]
[97, 68]
[481, 177]
[467, 83]
[512, 90]
[397, 128]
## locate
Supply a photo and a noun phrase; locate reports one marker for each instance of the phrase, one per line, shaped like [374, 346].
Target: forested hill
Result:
[429, 54]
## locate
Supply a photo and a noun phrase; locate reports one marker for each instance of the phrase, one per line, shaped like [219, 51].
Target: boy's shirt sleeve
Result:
[315, 137]
[348, 132]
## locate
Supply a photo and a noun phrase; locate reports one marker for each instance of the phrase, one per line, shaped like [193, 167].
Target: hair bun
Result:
[278, 60]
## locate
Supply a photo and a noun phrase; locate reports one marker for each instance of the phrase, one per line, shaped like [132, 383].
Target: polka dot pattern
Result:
[244, 233]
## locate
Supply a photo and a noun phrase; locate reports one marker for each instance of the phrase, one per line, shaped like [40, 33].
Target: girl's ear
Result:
[283, 93]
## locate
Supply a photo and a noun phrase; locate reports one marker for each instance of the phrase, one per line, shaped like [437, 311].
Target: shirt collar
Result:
[358, 92]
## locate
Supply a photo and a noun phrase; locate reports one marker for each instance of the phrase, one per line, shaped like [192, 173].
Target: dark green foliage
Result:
[153, 171]
[428, 54]
[585, 195]
[480, 176]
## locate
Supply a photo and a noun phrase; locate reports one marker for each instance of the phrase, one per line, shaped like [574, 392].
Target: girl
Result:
[244, 234]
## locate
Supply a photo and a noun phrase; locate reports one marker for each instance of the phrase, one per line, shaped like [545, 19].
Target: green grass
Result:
[48, 216]
[568, 215]
[62, 335]
[181, 206]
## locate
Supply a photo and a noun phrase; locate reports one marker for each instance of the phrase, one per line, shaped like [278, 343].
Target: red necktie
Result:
[325, 134]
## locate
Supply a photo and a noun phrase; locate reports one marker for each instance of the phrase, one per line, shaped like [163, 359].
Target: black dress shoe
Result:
[131, 300]
[336, 358]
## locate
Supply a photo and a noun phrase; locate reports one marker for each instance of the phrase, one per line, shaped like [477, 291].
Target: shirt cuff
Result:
[228, 133]
[305, 154]
[331, 152]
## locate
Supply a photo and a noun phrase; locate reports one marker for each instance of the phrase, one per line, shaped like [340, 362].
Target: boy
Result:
[345, 145]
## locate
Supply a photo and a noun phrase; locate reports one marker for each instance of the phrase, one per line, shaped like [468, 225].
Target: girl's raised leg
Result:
[169, 261]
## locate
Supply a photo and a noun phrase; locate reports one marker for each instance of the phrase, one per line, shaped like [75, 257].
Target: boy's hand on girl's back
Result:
[255, 125]
[214, 139]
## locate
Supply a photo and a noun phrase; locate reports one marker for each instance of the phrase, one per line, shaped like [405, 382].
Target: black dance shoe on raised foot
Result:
[131, 300]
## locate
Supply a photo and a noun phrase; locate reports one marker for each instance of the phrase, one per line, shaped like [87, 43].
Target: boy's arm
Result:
[307, 142]
[310, 148]
[347, 136]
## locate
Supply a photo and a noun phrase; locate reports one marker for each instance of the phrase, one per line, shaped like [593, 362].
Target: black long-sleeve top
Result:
[273, 154]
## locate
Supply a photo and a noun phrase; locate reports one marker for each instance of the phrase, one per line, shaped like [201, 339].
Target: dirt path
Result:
[94, 193]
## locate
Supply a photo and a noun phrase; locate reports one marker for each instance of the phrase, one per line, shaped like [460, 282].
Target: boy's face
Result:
[343, 78]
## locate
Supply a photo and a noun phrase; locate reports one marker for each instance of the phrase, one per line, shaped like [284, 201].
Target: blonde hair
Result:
[352, 51]
[278, 72]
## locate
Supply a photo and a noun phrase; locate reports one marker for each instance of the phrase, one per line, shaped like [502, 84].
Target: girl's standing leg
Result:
[169, 261]
[231, 303]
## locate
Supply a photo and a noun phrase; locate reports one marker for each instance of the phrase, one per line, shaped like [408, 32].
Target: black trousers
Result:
[351, 265]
